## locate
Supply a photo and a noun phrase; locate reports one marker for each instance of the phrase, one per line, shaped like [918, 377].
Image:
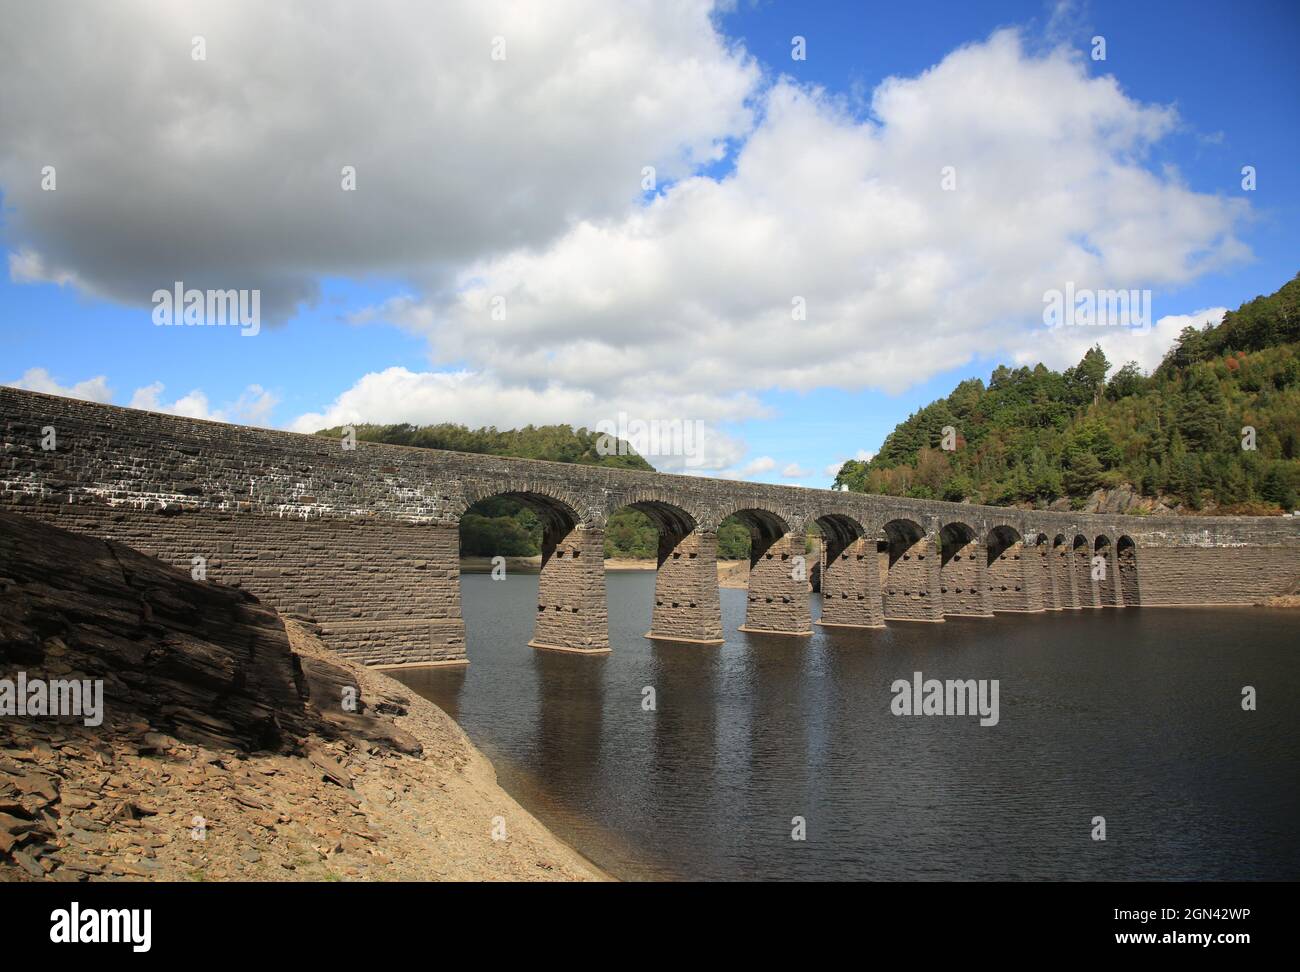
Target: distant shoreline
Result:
[731, 573]
[532, 565]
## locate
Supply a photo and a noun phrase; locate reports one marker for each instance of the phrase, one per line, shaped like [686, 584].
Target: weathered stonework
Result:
[1089, 592]
[964, 580]
[913, 591]
[1128, 576]
[366, 540]
[571, 613]
[777, 602]
[1050, 583]
[1108, 588]
[850, 586]
[1014, 577]
[686, 589]
[1066, 575]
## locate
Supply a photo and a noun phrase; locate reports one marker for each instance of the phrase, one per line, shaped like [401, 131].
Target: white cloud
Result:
[39, 380]
[28, 266]
[226, 172]
[901, 279]
[521, 179]
[833, 470]
[1064, 346]
[475, 399]
[752, 469]
[795, 471]
[253, 407]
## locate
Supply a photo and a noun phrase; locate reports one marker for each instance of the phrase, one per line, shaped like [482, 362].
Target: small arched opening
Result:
[514, 536]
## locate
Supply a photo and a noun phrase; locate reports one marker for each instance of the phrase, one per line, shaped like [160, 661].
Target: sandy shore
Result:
[1280, 601]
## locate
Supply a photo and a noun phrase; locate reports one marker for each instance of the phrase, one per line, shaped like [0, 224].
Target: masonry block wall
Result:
[913, 587]
[1066, 576]
[571, 612]
[1128, 578]
[687, 607]
[1192, 576]
[1047, 576]
[1089, 592]
[1108, 586]
[963, 582]
[386, 593]
[777, 601]
[1011, 578]
[850, 584]
[365, 540]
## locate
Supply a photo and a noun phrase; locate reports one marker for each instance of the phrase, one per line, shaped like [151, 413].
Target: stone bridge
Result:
[366, 540]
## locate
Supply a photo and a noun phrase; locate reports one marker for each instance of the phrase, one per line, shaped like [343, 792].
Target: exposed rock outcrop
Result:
[231, 744]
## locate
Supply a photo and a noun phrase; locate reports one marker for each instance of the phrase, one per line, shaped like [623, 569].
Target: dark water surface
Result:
[1132, 715]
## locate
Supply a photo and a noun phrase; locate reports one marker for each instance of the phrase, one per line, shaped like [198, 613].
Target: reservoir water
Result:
[1134, 716]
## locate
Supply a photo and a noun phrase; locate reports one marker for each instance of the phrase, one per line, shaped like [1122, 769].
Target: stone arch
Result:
[556, 508]
[909, 564]
[571, 609]
[850, 578]
[1081, 550]
[962, 570]
[1000, 539]
[764, 525]
[777, 598]
[1108, 587]
[839, 529]
[1126, 562]
[667, 517]
[667, 511]
[900, 535]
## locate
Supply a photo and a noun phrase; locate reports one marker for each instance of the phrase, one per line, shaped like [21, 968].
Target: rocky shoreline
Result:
[233, 746]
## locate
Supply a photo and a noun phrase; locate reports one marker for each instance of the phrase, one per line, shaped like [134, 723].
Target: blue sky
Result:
[1202, 90]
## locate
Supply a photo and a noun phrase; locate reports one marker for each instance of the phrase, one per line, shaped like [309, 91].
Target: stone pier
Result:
[777, 600]
[850, 585]
[571, 612]
[686, 589]
[912, 582]
[963, 573]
